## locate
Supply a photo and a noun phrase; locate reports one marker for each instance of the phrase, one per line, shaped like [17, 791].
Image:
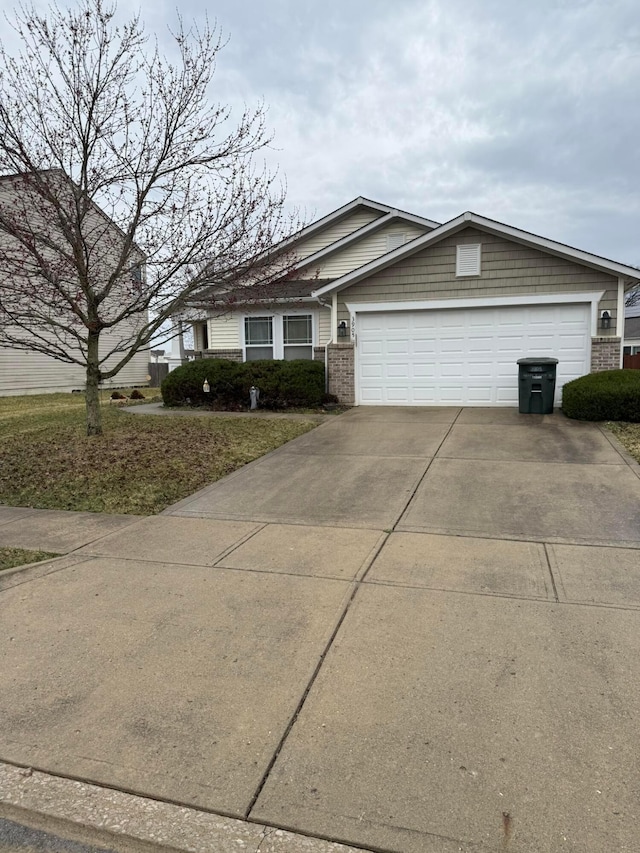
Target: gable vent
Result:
[394, 241]
[468, 259]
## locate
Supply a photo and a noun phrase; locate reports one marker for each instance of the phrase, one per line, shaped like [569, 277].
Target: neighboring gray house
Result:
[405, 311]
[31, 372]
[631, 343]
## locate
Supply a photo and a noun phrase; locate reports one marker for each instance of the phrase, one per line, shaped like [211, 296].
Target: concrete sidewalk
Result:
[409, 630]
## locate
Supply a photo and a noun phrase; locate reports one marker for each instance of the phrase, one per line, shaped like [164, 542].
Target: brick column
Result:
[605, 354]
[341, 369]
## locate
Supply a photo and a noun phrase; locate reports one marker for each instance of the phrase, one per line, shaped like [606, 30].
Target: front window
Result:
[297, 334]
[258, 337]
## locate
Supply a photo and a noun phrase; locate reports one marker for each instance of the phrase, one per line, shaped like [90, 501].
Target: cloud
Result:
[527, 113]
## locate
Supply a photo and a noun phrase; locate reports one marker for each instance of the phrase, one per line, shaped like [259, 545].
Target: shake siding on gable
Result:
[337, 231]
[508, 269]
[360, 252]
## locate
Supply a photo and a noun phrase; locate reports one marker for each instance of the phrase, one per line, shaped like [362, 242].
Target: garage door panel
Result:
[465, 356]
[428, 346]
[480, 369]
[395, 347]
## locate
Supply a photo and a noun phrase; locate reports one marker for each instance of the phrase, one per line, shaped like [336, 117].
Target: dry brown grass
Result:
[141, 465]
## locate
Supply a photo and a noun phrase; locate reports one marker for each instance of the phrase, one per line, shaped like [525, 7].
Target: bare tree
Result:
[632, 298]
[125, 188]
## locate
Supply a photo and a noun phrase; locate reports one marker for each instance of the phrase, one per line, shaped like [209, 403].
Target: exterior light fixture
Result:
[605, 320]
[342, 329]
[206, 387]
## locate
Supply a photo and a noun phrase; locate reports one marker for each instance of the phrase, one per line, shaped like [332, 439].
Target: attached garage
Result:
[464, 356]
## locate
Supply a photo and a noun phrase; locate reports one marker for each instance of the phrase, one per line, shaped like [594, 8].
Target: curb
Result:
[110, 816]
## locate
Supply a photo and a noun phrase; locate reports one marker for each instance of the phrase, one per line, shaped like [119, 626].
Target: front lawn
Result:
[141, 465]
[12, 557]
[628, 435]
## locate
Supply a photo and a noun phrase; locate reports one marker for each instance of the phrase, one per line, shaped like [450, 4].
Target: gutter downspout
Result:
[331, 338]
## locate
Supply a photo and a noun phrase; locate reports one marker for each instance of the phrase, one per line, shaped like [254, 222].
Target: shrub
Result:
[183, 386]
[136, 395]
[613, 395]
[118, 396]
[282, 384]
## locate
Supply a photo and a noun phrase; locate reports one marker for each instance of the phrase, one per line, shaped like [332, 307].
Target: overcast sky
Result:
[525, 112]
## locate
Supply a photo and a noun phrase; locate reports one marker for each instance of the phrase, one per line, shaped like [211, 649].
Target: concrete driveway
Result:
[409, 630]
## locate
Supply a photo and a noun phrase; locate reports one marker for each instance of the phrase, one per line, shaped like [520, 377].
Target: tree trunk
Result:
[94, 416]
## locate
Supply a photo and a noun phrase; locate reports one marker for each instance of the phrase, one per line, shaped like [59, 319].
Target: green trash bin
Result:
[536, 385]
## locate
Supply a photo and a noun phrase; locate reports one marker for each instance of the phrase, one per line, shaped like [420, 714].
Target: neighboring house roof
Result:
[498, 228]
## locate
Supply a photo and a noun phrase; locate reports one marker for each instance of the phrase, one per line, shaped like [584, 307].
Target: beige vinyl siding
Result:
[361, 252]
[224, 332]
[324, 326]
[351, 223]
[35, 373]
[198, 342]
[508, 269]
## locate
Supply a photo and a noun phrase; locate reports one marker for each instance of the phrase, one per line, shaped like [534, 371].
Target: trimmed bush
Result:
[282, 384]
[613, 395]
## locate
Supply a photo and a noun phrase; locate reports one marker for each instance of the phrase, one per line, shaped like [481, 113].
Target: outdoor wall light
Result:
[605, 320]
[206, 387]
[342, 329]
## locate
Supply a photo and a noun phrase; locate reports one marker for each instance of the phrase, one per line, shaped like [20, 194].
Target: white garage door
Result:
[465, 356]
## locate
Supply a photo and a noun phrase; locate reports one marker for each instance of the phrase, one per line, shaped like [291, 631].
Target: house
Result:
[631, 341]
[406, 311]
[32, 372]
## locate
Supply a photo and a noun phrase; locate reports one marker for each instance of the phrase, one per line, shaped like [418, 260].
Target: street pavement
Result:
[408, 630]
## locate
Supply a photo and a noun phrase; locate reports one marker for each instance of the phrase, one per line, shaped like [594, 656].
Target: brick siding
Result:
[318, 354]
[341, 364]
[605, 354]
[229, 354]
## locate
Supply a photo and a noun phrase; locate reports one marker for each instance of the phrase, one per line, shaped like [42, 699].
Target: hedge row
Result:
[282, 384]
[613, 395]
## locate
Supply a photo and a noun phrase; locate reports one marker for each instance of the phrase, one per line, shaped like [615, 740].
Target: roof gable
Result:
[490, 226]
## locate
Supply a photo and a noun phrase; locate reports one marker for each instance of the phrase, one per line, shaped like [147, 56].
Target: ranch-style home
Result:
[407, 311]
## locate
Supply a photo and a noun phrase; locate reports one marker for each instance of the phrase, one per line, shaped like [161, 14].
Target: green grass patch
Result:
[140, 465]
[12, 557]
[629, 437]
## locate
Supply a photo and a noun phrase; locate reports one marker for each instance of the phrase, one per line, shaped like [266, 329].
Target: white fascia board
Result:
[591, 297]
[498, 228]
[545, 244]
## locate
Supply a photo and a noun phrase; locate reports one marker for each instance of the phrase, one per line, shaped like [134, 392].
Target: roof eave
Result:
[498, 228]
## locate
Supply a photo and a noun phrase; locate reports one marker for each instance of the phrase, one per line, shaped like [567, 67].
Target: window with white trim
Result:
[297, 336]
[288, 336]
[258, 338]
[468, 259]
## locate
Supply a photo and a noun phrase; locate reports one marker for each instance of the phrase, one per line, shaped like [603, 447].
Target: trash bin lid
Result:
[530, 361]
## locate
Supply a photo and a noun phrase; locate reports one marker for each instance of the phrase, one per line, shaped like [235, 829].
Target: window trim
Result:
[277, 330]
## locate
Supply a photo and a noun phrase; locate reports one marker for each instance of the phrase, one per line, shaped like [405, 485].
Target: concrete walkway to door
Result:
[408, 630]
